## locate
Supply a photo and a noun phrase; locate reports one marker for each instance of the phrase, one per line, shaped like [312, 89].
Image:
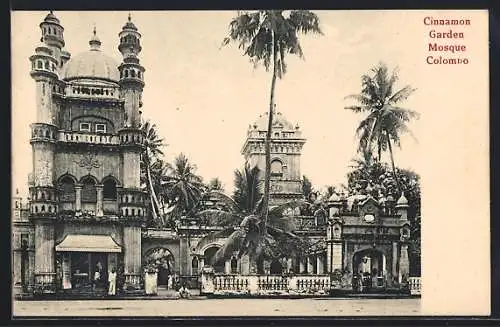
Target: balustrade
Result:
[94, 138]
[415, 285]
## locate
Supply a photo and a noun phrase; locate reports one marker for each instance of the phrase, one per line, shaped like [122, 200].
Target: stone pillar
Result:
[319, 265]
[301, 266]
[404, 265]
[394, 261]
[132, 256]
[201, 263]
[98, 208]
[310, 267]
[245, 265]
[78, 197]
[329, 250]
[336, 256]
[289, 265]
[44, 254]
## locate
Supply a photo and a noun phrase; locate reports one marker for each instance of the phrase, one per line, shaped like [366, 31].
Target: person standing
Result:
[170, 282]
[112, 282]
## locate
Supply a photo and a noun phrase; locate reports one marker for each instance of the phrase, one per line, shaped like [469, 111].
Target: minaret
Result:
[132, 206]
[131, 72]
[53, 37]
[43, 207]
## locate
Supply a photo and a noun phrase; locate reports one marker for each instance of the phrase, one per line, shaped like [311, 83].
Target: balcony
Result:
[90, 138]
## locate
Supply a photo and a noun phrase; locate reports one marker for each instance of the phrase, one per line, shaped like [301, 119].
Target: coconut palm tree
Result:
[266, 36]
[149, 158]
[385, 120]
[244, 226]
[183, 187]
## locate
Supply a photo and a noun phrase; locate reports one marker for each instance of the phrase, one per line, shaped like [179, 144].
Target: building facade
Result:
[87, 212]
[86, 204]
[286, 148]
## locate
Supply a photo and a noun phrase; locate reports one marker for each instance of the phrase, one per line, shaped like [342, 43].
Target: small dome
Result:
[334, 198]
[278, 120]
[129, 25]
[92, 64]
[51, 18]
[402, 200]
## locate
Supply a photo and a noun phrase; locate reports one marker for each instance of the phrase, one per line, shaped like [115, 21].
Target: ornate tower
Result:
[131, 140]
[45, 64]
[286, 148]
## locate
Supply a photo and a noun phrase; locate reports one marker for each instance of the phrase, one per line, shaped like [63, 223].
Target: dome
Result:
[402, 201]
[278, 121]
[334, 198]
[92, 64]
[51, 18]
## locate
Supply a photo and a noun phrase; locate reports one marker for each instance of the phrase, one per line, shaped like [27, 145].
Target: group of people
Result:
[362, 282]
[173, 282]
[99, 279]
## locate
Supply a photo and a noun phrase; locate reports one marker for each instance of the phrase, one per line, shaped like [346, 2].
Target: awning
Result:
[88, 243]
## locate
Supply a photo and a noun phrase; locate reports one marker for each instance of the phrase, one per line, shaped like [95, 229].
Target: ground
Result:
[220, 307]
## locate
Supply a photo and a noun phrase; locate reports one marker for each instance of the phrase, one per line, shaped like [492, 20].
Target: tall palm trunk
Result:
[152, 194]
[267, 176]
[392, 162]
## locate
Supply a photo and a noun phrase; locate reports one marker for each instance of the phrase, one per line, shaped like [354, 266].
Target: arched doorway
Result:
[369, 267]
[163, 260]
[209, 254]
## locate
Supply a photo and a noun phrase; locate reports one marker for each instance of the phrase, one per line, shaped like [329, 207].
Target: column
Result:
[301, 266]
[404, 264]
[319, 265]
[132, 257]
[227, 267]
[78, 197]
[289, 265]
[245, 265]
[98, 208]
[329, 249]
[310, 267]
[201, 263]
[394, 261]
[44, 254]
[336, 256]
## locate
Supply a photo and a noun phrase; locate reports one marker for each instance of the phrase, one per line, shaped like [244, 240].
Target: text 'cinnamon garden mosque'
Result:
[86, 206]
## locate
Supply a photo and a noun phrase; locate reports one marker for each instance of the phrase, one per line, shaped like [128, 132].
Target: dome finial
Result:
[94, 42]
[129, 17]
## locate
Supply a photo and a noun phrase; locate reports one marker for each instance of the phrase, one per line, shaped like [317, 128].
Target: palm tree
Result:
[183, 187]
[244, 226]
[266, 36]
[385, 120]
[150, 157]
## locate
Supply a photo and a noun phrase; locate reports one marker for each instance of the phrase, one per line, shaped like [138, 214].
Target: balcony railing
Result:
[93, 138]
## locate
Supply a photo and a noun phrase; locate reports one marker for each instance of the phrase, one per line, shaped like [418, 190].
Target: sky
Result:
[203, 98]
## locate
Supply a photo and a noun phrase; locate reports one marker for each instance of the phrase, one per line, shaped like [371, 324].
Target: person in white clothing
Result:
[112, 282]
[170, 282]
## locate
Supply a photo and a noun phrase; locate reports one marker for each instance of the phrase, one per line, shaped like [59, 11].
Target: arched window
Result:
[132, 73]
[109, 189]
[139, 74]
[39, 65]
[276, 168]
[67, 189]
[194, 265]
[126, 73]
[89, 191]
[47, 65]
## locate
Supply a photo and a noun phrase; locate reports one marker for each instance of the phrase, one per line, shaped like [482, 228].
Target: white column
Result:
[227, 267]
[394, 260]
[336, 256]
[301, 266]
[310, 267]
[319, 265]
[98, 208]
[289, 264]
[404, 265]
[78, 198]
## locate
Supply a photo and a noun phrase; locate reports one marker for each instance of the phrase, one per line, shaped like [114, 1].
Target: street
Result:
[220, 307]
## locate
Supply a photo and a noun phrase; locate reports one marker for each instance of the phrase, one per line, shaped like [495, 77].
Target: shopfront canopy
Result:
[88, 243]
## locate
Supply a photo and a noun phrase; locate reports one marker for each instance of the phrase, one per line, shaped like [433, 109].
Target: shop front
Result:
[84, 261]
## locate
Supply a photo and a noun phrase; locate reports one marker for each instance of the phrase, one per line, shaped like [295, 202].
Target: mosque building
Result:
[87, 210]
